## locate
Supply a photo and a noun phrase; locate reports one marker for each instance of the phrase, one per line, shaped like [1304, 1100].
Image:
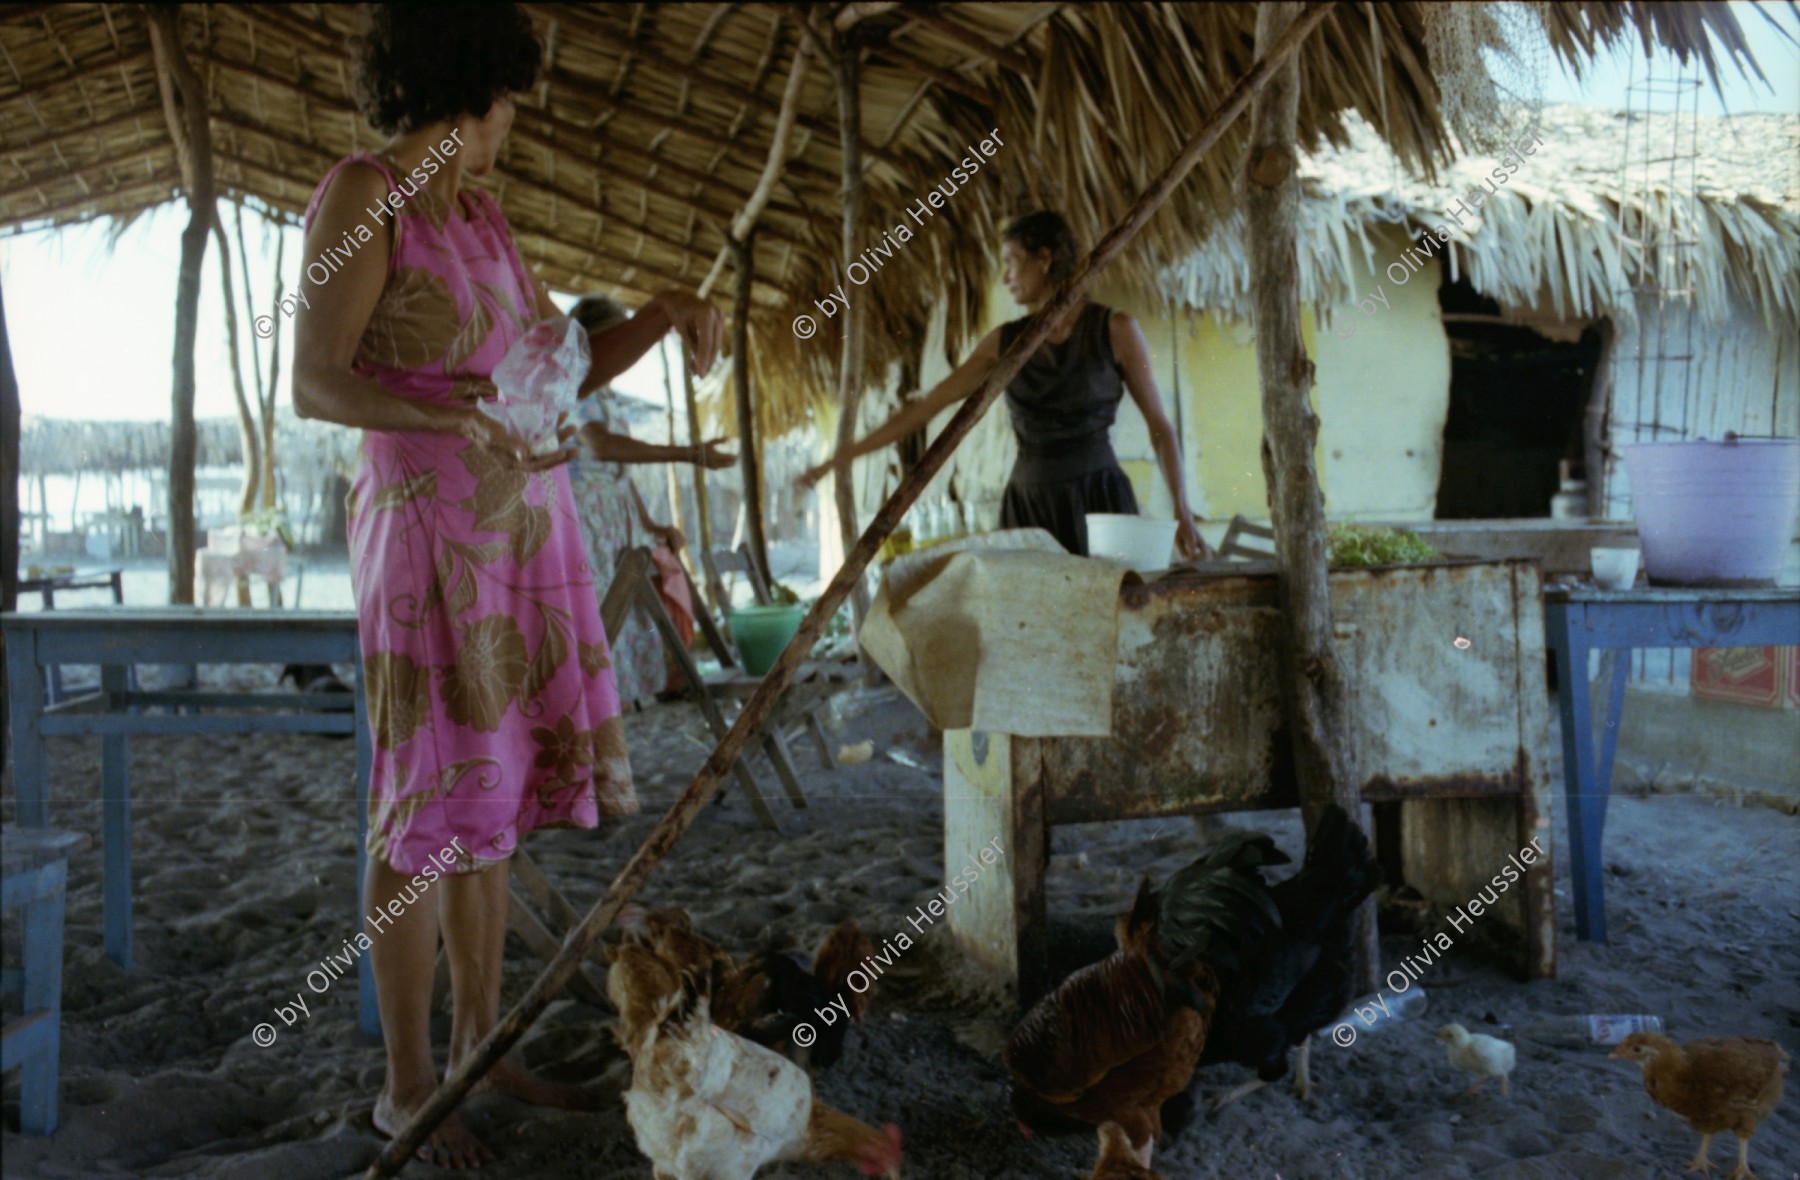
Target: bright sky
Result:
[92, 327]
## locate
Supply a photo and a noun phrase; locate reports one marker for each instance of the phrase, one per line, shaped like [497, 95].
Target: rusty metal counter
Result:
[1446, 664]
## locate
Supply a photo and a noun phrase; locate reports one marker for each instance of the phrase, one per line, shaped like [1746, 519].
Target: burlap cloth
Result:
[1004, 632]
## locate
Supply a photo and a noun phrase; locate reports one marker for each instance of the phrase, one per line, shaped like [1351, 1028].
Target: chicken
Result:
[1277, 993]
[796, 994]
[706, 1104]
[1117, 1161]
[1484, 1056]
[1119, 1038]
[1715, 1084]
[770, 995]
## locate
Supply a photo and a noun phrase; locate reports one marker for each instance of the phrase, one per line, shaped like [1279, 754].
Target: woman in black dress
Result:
[1062, 403]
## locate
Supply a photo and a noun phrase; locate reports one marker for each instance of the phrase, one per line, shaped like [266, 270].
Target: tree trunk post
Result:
[184, 106]
[847, 66]
[1316, 686]
[748, 459]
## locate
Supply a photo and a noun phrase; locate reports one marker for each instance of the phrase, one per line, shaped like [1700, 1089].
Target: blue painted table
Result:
[119, 638]
[1577, 621]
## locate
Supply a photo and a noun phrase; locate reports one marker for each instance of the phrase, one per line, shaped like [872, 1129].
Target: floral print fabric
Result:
[602, 494]
[488, 679]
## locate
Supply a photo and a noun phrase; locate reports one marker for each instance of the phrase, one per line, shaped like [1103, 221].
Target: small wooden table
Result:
[1578, 620]
[120, 637]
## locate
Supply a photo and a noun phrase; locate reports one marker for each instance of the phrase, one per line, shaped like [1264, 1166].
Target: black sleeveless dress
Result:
[1062, 406]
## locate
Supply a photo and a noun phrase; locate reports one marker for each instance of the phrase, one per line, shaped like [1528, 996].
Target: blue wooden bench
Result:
[34, 871]
[118, 638]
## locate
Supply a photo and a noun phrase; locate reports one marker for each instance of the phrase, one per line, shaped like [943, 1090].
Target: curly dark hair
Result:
[1046, 230]
[418, 63]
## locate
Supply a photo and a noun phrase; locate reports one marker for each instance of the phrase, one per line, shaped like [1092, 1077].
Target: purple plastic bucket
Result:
[1715, 513]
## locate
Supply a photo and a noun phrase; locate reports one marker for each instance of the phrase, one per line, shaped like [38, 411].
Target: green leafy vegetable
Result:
[1351, 546]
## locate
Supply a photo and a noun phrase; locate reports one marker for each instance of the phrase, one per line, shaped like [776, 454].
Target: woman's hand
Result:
[1188, 541]
[483, 431]
[699, 323]
[710, 456]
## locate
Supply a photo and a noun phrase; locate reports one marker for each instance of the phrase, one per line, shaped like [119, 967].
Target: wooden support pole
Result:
[757, 710]
[184, 105]
[847, 66]
[702, 506]
[749, 461]
[10, 481]
[1316, 687]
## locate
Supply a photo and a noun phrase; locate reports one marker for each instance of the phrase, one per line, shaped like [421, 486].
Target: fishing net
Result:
[1490, 61]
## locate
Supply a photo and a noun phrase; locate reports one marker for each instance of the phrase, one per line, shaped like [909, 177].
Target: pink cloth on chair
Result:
[489, 684]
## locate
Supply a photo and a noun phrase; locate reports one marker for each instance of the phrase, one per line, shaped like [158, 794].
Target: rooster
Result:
[1120, 1038]
[706, 1104]
[1279, 992]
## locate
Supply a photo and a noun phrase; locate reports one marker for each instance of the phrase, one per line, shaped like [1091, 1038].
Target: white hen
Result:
[706, 1104]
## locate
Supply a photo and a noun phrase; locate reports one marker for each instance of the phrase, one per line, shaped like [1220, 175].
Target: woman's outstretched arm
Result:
[917, 415]
[1132, 354]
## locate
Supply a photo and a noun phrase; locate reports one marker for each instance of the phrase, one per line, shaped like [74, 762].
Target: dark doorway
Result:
[1517, 400]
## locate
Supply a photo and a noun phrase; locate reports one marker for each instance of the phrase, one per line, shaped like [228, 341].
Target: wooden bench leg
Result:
[33, 1044]
[115, 828]
[993, 800]
[817, 729]
[703, 698]
[783, 761]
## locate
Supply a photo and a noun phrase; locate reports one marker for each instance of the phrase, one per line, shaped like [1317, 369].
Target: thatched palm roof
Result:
[652, 121]
[1551, 235]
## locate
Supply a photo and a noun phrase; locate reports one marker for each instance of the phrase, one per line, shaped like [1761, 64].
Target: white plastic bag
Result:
[539, 381]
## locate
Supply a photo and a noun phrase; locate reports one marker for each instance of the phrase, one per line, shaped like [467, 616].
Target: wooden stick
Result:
[761, 704]
[745, 221]
[847, 66]
[749, 448]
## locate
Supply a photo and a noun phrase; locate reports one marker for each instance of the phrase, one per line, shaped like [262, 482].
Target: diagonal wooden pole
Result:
[757, 709]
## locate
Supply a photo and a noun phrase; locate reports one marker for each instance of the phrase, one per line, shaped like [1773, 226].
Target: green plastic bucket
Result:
[762, 632]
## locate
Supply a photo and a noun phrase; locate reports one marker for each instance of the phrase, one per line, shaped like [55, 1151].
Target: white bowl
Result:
[1614, 569]
[1131, 541]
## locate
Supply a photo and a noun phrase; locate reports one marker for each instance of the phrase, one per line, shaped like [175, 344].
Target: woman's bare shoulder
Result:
[357, 182]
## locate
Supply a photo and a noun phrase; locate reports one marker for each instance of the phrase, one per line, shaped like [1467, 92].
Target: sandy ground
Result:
[244, 879]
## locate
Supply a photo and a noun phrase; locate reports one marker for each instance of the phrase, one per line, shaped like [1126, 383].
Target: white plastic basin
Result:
[1131, 541]
[1715, 513]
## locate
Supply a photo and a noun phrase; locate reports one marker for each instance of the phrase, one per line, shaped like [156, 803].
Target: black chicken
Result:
[1277, 994]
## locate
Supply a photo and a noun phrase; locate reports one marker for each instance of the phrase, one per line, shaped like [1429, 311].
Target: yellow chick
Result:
[1485, 1057]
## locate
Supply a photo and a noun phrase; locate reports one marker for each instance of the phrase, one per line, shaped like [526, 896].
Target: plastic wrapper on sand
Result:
[539, 381]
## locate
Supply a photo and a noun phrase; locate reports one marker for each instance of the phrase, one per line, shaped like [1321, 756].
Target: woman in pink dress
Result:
[490, 695]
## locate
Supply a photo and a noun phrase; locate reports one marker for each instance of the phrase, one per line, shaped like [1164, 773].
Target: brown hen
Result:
[1715, 1084]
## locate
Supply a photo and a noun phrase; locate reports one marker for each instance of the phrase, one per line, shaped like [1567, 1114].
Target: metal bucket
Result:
[1715, 513]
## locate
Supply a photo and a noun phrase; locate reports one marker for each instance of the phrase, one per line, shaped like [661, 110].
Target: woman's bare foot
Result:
[514, 1080]
[451, 1145]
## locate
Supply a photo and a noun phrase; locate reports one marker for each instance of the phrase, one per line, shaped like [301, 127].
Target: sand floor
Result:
[244, 881]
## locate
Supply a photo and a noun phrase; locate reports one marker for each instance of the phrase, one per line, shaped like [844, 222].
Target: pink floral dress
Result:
[487, 674]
